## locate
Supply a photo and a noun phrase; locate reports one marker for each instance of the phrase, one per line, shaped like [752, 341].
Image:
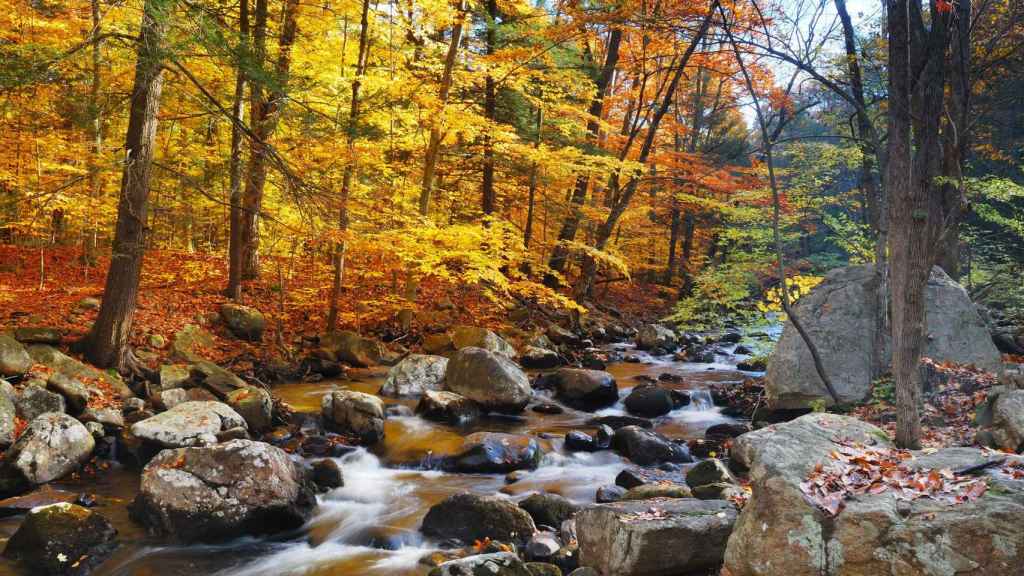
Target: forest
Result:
[512, 287]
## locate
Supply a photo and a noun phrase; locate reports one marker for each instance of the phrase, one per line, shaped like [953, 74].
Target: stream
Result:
[370, 526]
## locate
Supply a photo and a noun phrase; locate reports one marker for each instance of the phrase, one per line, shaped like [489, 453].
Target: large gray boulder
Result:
[414, 375]
[244, 322]
[348, 346]
[188, 424]
[58, 361]
[51, 447]
[661, 537]
[780, 532]
[14, 359]
[491, 380]
[840, 316]
[355, 413]
[467, 518]
[223, 491]
[586, 389]
[1002, 417]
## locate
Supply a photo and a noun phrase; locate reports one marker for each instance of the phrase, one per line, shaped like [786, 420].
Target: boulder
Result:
[539, 358]
[489, 379]
[548, 509]
[543, 569]
[414, 375]
[62, 538]
[59, 362]
[467, 518]
[494, 564]
[220, 381]
[189, 343]
[355, 413]
[718, 491]
[244, 322]
[840, 318]
[710, 471]
[437, 343]
[649, 401]
[652, 336]
[646, 447]
[51, 447]
[35, 400]
[173, 376]
[14, 359]
[254, 405]
[585, 389]
[495, 453]
[660, 490]
[662, 537]
[477, 337]
[188, 424]
[447, 407]
[560, 335]
[38, 335]
[76, 394]
[327, 474]
[106, 417]
[609, 493]
[1002, 417]
[8, 424]
[42, 496]
[167, 399]
[780, 532]
[224, 491]
[350, 347]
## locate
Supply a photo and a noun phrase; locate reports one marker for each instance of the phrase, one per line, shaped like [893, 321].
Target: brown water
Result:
[383, 498]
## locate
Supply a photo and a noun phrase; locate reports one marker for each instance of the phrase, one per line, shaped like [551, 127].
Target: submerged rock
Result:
[355, 413]
[661, 537]
[840, 318]
[646, 447]
[548, 509]
[224, 491]
[447, 407]
[495, 453]
[491, 380]
[414, 375]
[467, 518]
[62, 539]
[649, 401]
[188, 424]
[874, 533]
[586, 389]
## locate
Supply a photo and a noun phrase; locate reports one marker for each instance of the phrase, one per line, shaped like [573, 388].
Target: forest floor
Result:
[43, 287]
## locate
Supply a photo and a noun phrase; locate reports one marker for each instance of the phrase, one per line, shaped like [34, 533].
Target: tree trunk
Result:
[673, 239]
[264, 114]
[107, 344]
[534, 177]
[571, 224]
[235, 260]
[490, 107]
[437, 124]
[96, 110]
[350, 167]
[684, 264]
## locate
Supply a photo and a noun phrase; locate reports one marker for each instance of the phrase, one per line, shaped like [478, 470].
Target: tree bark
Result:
[234, 290]
[96, 110]
[534, 177]
[437, 124]
[107, 344]
[350, 167]
[264, 114]
[490, 107]
[571, 224]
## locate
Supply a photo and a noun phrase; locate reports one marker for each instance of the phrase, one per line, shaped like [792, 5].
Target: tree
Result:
[107, 344]
[235, 256]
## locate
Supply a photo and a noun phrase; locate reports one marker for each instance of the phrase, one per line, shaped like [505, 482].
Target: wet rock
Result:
[414, 375]
[841, 318]
[584, 571]
[188, 424]
[491, 380]
[542, 547]
[717, 491]
[609, 493]
[577, 441]
[62, 539]
[630, 478]
[254, 405]
[51, 447]
[726, 431]
[548, 509]
[352, 348]
[648, 491]
[35, 400]
[561, 336]
[547, 408]
[188, 344]
[496, 564]
[42, 496]
[710, 471]
[398, 411]
[476, 337]
[616, 422]
[495, 453]
[14, 359]
[38, 335]
[653, 336]
[224, 491]
[649, 401]
[467, 518]
[586, 389]
[447, 407]
[543, 569]
[753, 365]
[96, 429]
[646, 447]
[875, 533]
[654, 537]
[539, 358]
[327, 474]
[355, 413]
[244, 322]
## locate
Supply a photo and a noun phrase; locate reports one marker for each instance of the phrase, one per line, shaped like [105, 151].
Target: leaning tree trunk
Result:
[350, 167]
[234, 290]
[107, 344]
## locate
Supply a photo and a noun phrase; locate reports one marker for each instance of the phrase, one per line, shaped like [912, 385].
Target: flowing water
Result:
[370, 526]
